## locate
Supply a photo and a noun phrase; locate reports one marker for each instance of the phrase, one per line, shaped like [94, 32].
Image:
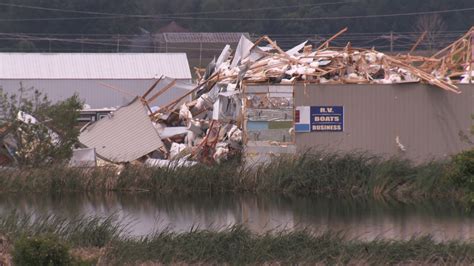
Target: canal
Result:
[365, 219]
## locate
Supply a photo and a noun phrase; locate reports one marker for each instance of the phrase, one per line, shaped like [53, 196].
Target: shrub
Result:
[41, 250]
[461, 173]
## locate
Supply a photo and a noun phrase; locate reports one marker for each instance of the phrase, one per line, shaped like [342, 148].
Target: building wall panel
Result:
[92, 92]
[426, 120]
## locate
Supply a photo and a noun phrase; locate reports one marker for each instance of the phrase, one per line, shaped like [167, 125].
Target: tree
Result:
[36, 132]
[433, 25]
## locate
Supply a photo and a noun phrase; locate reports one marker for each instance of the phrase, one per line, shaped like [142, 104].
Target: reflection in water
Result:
[364, 219]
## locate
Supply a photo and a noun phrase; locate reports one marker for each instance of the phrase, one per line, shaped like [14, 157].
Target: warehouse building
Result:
[413, 121]
[101, 80]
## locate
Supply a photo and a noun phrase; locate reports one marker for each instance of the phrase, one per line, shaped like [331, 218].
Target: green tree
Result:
[37, 132]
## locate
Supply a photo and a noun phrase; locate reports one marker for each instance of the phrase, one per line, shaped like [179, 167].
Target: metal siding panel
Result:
[94, 94]
[426, 119]
[125, 136]
[93, 66]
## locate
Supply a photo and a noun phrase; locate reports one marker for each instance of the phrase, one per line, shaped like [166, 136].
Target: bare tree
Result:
[433, 25]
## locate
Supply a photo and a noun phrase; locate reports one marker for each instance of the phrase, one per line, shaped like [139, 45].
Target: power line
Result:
[265, 8]
[59, 19]
[331, 18]
[294, 36]
[173, 14]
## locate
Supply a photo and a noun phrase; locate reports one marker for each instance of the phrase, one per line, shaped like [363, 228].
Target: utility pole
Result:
[118, 43]
[82, 43]
[200, 50]
[391, 41]
[200, 53]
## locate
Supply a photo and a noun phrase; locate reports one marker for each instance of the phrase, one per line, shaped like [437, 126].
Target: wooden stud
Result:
[163, 90]
[152, 87]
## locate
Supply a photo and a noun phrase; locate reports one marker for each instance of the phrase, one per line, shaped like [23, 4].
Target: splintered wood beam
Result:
[470, 54]
[163, 90]
[423, 75]
[274, 45]
[467, 35]
[166, 107]
[152, 87]
[326, 43]
[420, 39]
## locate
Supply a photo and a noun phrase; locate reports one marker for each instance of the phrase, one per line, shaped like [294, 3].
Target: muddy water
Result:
[364, 219]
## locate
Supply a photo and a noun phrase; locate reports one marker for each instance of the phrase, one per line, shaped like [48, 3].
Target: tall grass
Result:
[82, 231]
[308, 174]
[238, 246]
[235, 245]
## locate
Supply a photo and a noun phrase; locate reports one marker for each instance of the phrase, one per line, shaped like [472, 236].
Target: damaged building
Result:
[263, 102]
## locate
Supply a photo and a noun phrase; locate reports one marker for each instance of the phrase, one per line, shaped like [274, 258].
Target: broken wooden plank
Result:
[326, 43]
[420, 39]
[163, 90]
[152, 87]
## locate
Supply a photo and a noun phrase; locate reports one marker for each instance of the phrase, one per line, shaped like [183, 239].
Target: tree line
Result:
[257, 17]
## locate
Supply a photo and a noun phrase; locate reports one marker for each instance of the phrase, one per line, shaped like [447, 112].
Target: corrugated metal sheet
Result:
[125, 136]
[93, 65]
[427, 121]
[203, 37]
[96, 95]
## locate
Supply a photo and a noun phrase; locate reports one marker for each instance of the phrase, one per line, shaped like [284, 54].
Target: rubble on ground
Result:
[209, 127]
[206, 124]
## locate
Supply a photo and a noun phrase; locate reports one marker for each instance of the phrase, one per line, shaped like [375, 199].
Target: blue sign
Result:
[327, 118]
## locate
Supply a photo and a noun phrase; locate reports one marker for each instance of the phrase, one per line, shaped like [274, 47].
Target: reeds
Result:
[235, 245]
[354, 174]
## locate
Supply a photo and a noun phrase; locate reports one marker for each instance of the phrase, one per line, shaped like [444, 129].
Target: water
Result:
[363, 219]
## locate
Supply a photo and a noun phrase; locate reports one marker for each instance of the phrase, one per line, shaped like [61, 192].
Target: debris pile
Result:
[179, 134]
[206, 124]
[452, 64]
[323, 65]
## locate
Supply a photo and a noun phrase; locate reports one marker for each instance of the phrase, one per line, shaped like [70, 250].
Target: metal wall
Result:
[91, 91]
[427, 120]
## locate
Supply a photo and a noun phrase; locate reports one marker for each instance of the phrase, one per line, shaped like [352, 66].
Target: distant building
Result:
[200, 47]
[101, 80]
[173, 27]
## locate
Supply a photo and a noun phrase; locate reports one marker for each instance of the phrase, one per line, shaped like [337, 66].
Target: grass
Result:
[353, 174]
[235, 245]
[81, 231]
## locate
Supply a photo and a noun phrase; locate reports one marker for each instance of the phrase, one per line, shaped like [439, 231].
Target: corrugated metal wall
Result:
[427, 120]
[91, 91]
[93, 65]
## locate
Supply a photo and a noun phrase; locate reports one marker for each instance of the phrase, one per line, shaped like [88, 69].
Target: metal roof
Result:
[124, 136]
[93, 65]
[202, 37]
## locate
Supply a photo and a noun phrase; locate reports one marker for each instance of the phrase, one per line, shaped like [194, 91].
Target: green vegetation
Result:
[82, 231]
[235, 245]
[76, 22]
[309, 174]
[48, 140]
[41, 250]
[461, 173]
[187, 12]
[238, 246]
